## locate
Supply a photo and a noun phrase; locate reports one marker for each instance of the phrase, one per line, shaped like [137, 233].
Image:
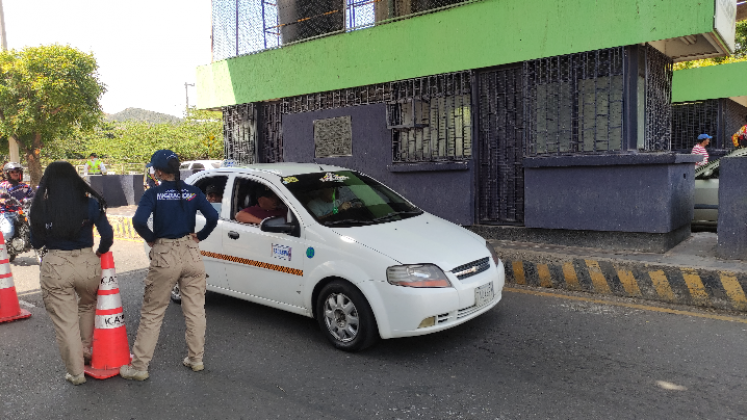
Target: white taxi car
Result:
[350, 252]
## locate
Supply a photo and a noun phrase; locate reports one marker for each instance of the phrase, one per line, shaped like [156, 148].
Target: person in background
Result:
[62, 219]
[14, 193]
[151, 178]
[740, 137]
[700, 149]
[94, 166]
[175, 259]
[214, 194]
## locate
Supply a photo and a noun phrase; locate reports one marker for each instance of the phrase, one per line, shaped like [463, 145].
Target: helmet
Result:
[11, 166]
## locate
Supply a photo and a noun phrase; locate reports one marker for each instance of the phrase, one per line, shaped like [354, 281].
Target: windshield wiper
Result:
[353, 222]
[396, 213]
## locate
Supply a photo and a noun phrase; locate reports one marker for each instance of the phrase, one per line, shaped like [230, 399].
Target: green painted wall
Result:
[480, 34]
[724, 81]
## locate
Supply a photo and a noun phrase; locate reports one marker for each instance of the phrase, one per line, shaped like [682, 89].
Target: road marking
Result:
[695, 284]
[518, 272]
[629, 305]
[544, 274]
[661, 284]
[628, 282]
[597, 277]
[570, 276]
[734, 290]
[26, 304]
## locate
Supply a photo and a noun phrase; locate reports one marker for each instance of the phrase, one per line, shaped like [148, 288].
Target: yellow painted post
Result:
[597, 277]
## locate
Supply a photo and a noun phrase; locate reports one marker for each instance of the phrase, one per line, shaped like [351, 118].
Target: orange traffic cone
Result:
[9, 307]
[110, 347]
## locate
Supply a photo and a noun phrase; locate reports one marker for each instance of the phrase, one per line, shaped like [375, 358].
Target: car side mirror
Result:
[277, 224]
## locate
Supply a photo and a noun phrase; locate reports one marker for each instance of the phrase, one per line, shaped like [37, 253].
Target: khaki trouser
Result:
[172, 261]
[63, 275]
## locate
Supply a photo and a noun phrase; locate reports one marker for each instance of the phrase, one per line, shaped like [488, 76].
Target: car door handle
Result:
[233, 235]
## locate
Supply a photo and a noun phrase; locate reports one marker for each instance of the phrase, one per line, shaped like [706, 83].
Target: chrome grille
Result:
[470, 269]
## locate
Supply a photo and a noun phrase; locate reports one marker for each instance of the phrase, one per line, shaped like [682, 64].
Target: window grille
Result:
[249, 26]
[240, 133]
[658, 100]
[574, 103]
[691, 119]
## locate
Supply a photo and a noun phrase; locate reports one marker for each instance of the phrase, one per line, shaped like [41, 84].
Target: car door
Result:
[211, 248]
[265, 267]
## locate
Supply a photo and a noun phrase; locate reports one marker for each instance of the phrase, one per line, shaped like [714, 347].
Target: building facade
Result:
[485, 112]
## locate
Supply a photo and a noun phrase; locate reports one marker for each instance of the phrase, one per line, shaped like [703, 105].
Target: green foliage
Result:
[198, 136]
[48, 91]
[142, 115]
[740, 52]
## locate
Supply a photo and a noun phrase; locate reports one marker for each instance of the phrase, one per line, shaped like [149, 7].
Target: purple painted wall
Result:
[446, 190]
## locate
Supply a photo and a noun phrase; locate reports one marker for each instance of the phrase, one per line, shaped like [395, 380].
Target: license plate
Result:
[484, 294]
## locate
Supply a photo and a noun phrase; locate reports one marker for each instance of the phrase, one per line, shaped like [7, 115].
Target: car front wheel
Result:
[345, 317]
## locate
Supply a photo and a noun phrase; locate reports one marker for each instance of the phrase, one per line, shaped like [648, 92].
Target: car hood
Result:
[420, 239]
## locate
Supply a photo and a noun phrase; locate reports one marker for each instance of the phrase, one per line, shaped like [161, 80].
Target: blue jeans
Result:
[8, 225]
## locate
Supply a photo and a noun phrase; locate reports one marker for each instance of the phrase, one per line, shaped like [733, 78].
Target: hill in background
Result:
[142, 115]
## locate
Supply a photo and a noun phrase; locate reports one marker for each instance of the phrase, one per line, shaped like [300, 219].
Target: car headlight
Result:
[493, 254]
[417, 275]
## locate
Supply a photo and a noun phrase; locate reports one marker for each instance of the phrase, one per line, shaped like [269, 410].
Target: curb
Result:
[122, 226]
[704, 288]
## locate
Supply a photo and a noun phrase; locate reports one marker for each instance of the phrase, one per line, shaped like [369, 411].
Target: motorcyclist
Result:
[13, 194]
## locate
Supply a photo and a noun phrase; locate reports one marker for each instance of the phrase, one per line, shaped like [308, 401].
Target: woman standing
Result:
[739, 139]
[63, 214]
[175, 258]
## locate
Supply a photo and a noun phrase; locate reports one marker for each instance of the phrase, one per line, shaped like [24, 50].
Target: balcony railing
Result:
[249, 26]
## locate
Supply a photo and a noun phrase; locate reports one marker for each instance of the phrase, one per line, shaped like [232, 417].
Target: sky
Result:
[146, 49]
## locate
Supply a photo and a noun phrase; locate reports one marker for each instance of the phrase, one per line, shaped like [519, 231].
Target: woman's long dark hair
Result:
[60, 205]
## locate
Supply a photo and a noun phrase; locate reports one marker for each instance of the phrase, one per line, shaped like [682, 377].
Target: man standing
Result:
[700, 149]
[13, 194]
[94, 166]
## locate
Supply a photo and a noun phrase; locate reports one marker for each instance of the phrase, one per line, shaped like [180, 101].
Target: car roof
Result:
[285, 168]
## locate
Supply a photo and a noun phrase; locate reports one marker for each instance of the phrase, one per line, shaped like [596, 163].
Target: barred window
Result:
[430, 120]
[574, 103]
[240, 133]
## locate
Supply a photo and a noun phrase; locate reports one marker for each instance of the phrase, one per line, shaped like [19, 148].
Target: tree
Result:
[47, 92]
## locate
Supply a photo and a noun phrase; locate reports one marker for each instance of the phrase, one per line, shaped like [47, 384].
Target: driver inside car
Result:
[329, 201]
[268, 205]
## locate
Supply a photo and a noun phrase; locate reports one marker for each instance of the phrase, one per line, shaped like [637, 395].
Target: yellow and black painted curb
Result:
[680, 285]
[122, 226]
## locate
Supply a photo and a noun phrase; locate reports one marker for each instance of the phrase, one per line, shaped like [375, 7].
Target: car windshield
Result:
[346, 199]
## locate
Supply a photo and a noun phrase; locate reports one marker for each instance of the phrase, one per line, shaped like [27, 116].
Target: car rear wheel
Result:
[345, 317]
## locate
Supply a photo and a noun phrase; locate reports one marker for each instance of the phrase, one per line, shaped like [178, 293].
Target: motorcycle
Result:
[21, 240]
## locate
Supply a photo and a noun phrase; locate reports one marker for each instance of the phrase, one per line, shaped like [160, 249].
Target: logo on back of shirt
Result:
[169, 195]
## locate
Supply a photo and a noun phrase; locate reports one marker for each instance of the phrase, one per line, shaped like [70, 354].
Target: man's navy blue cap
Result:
[704, 136]
[160, 159]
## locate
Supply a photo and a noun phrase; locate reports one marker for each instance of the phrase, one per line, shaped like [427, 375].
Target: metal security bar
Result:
[574, 103]
[719, 118]
[658, 110]
[240, 133]
[430, 117]
[249, 26]
[501, 127]
[691, 119]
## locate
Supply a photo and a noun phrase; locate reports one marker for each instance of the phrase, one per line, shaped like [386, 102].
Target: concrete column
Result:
[732, 209]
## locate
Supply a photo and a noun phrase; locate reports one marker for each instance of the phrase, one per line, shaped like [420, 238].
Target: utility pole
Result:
[12, 143]
[186, 92]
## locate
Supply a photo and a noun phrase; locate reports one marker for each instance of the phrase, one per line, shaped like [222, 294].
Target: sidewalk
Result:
[121, 221]
[688, 274]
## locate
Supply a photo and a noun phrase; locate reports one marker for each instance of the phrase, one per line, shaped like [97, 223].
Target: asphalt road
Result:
[535, 356]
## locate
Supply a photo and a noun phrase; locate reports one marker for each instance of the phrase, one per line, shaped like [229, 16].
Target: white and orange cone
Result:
[110, 347]
[10, 310]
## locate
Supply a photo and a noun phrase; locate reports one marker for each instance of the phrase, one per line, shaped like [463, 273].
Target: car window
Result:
[184, 166]
[198, 167]
[214, 188]
[246, 193]
[215, 164]
[347, 198]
